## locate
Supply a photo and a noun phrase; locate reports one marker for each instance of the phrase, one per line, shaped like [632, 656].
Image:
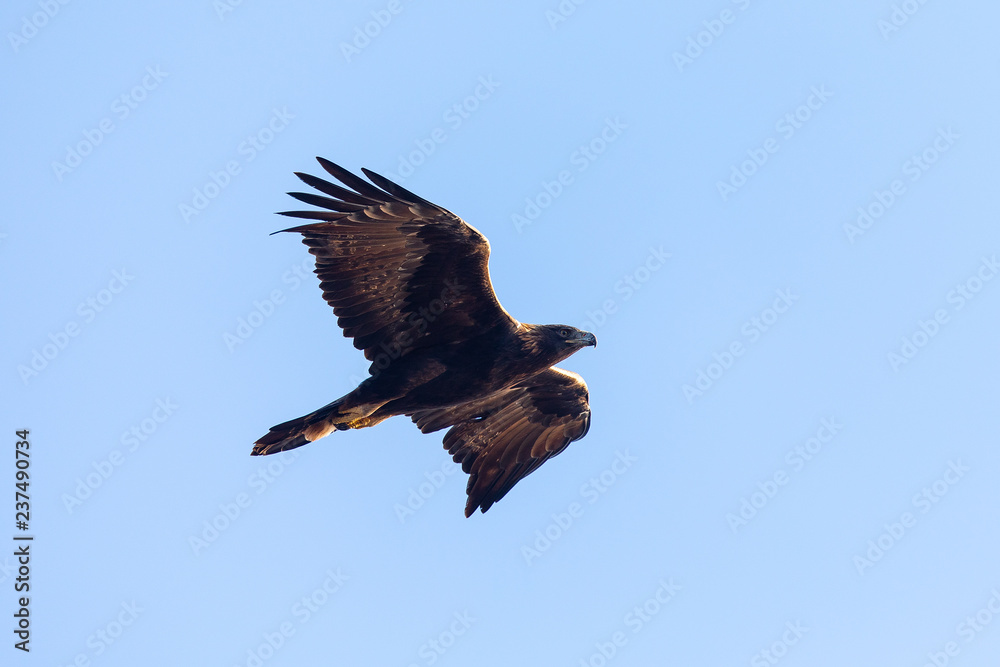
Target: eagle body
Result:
[454, 373]
[409, 282]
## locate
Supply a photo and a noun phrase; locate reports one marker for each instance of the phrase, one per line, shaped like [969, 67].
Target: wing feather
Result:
[504, 437]
[398, 271]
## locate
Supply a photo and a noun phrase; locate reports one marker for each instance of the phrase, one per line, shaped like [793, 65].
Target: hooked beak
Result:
[586, 338]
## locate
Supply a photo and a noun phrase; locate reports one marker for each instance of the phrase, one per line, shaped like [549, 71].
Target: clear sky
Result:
[779, 218]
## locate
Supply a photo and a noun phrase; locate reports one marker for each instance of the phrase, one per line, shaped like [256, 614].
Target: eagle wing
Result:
[502, 438]
[400, 272]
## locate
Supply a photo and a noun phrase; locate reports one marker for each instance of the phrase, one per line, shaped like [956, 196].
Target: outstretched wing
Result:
[504, 437]
[400, 272]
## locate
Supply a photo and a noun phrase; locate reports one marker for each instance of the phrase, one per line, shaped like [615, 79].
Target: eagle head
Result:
[555, 342]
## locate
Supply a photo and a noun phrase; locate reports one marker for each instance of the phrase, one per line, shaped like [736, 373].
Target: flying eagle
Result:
[409, 282]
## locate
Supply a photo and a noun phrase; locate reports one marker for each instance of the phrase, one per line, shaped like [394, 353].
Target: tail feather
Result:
[300, 431]
[280, 444]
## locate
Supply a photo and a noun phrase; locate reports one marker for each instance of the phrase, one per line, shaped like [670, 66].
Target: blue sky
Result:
[779, 219]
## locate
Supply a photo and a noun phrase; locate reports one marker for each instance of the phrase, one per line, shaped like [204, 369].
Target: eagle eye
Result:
[564, 333]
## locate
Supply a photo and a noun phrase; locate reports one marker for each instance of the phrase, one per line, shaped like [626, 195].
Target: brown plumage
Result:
[409, 282]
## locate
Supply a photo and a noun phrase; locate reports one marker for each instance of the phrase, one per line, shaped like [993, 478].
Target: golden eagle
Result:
[409, 282]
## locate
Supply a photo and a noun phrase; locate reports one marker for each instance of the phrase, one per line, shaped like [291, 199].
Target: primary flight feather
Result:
[409, 282]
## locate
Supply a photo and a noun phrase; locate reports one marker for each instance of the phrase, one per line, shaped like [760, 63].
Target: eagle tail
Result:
[345, 413]
[301, 431]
